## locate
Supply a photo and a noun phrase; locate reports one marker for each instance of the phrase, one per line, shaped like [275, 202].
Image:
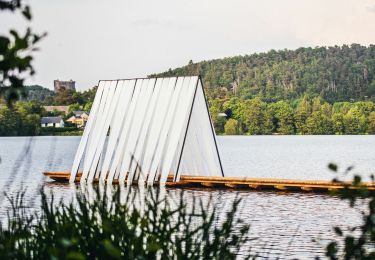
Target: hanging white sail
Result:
[148, 130]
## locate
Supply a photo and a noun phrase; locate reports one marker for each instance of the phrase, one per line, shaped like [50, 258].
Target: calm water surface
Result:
[285, 225]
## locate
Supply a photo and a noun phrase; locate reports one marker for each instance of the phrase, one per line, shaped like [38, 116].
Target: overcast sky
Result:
[90, 40]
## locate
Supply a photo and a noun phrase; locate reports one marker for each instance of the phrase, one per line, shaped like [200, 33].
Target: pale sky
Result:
[90, 40]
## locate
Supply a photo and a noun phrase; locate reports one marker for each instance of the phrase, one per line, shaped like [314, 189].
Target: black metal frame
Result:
[212, 129]
[186, 131]
[188, 123]
[144, 78]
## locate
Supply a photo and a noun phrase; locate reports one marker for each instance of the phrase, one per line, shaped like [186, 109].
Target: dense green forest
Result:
[305, 91]
[36, 92]
[334, 73]
[322, 90]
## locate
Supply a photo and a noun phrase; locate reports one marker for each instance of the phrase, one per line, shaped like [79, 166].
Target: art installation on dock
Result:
[148, 130]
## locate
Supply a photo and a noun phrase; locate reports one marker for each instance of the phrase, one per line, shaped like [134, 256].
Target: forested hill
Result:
[345, 73]
[36, 92]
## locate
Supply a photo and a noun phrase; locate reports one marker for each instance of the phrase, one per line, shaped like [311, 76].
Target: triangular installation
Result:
[148, 130]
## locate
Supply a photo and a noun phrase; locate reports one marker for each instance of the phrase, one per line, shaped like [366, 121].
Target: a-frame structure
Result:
[147, 130]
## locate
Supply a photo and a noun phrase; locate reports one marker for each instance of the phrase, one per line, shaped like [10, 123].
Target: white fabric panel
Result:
[178, 125]
[111, 105]
[85, 136]
[142, 172]
[127, 88]
[163, 102]
[191, 161]
[94, 137]
[155, 169]
[137, 170]
[158, 127]
[143, 123]
[122, 144]
[97, 124]
[210, 148]
[134, 129]
[200, 139]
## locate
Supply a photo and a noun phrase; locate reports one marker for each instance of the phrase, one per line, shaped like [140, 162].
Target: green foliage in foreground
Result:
[358, 242]
[110, 228]
[16, 52]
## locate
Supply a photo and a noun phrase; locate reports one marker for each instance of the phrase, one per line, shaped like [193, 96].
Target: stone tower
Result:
[64, 85]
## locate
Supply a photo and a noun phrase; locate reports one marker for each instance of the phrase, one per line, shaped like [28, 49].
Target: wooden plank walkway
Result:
[238, 183]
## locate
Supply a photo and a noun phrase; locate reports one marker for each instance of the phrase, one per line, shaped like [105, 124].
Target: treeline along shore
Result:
[322, 90]
[303, 116]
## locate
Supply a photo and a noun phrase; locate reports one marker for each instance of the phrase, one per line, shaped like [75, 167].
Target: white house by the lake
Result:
[52, 121]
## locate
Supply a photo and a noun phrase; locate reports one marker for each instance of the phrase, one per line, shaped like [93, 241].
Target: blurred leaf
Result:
[332, 167]
[338, 231]
[75, 256]
[26, 12]
[111, 250]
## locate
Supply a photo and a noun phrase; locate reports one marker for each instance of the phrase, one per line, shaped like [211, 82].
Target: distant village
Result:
[79, 117]
[42, 111]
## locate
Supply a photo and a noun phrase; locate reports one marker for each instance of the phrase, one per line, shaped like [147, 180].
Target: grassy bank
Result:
[65, 131]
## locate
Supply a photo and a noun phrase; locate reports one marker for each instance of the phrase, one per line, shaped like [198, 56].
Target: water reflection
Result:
[283, 224]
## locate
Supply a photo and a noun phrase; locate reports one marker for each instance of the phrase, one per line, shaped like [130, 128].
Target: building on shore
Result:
[60, 85]
[52, 121]
[62, 109]
[79, 118]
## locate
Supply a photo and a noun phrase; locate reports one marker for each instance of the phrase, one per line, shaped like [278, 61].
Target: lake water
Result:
[285, 225]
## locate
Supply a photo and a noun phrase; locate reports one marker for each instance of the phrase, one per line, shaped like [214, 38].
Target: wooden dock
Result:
[239, 183]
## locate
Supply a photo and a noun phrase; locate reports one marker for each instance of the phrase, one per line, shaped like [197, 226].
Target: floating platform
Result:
[240, 183]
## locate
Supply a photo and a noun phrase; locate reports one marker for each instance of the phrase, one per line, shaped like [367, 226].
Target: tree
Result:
[338, 123]
[316, 104]
[371, 123]
[233, 109]
[331, 74]
[301, 115]
[355, 121]
[21, 119]
[30, 107]
[89, 95]
[319, 124]
[78, 97]
[64, 97]
[87, 107]
[74, 107]
[30, 125]
[10, 122]
[326, 109]
[30, 113]
[255, 117]
[282, 114]
[217, 120]
[16, 54]
[38, 93]
[231, 127]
